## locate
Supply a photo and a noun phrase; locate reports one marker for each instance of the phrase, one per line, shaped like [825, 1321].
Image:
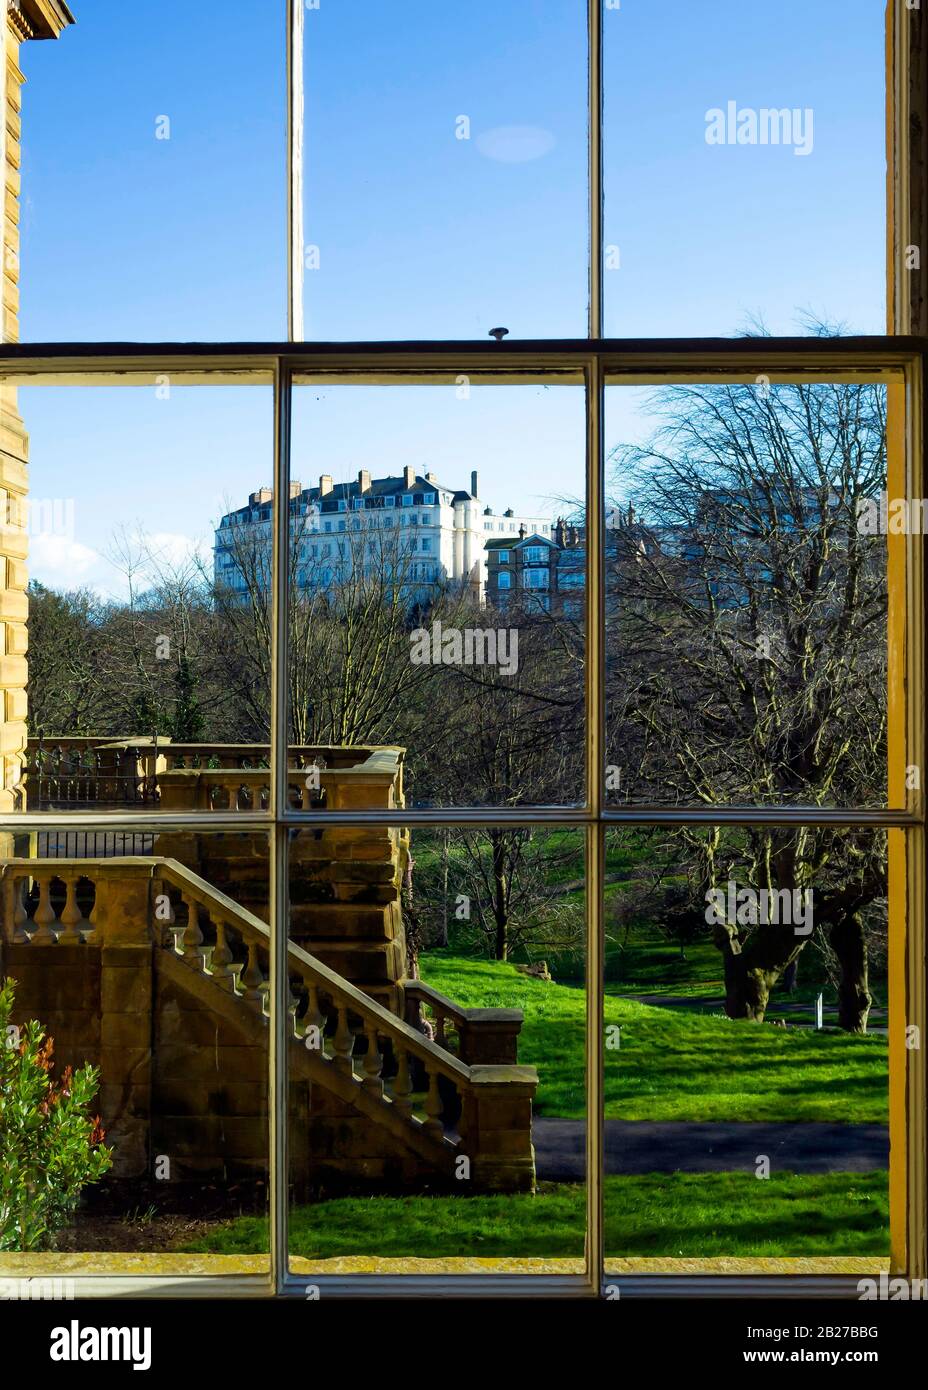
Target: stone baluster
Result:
[373, 1062]
[314, 1021]
[72, 919]
[20, 915]
[44, 935]
[220, 960]
[344, 1041]
[252, 978]
[164, 918]
[293, 1003]
[440, 1028]
[232, 796]
[193, 936]
[402, 1086]
[433, 1124]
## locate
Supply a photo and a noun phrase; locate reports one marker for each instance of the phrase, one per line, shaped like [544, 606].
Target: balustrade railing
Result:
[379, 1061]
[79, 773]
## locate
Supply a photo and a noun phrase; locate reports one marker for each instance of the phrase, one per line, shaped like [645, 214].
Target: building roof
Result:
[39, 19]
[379, 489]
[516, 543]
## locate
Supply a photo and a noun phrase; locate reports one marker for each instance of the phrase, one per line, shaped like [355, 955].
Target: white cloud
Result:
[515, 144]
[53, 559]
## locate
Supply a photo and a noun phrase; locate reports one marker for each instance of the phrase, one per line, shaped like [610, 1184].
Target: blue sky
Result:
[419, 233]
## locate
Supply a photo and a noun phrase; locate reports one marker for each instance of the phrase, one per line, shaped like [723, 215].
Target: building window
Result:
[503, 579]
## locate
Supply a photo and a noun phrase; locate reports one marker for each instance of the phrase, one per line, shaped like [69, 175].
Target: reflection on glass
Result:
[136, 676]
[746, 602]
[744, 168]
[139, 144]
[133, 998]
[746, 1070]
[437, 609]
[437, 1099]
[445, 182]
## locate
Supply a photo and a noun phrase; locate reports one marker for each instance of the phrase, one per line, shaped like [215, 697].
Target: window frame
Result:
[593, 361]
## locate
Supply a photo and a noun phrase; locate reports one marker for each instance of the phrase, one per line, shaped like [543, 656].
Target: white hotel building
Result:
[440, 531]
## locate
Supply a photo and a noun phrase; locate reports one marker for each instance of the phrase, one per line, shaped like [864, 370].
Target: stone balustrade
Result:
[476, 1036]
[150, 962]
[143, 771]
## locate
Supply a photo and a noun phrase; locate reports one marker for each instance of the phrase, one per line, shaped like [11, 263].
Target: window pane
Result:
[153, 173]
[746, 1076]
[745, 167]
[136, 677]
[411, 636]
[137, 957]
[437, 1079]
[751, 550]
[445, 177]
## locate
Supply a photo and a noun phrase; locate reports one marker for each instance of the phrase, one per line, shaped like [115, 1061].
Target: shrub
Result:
[50, 1145]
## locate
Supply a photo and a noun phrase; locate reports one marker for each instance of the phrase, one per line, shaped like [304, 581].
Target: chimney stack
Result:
[295, 488]
[409, 476]
[560, 535]
[364, 481]
[475, 484]
[325, 485]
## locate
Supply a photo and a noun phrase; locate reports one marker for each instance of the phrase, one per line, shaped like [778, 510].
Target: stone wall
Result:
[22, 20]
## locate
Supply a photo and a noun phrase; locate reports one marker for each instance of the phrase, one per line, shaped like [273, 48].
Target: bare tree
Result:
[747, 643]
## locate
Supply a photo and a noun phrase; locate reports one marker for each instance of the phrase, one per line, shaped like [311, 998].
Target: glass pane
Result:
[153, 176]
[746, 1078]
[754, 188]
[437, 1097]
[445, 180]
[437, 592]
[749, 565]
[132, 960]
[135, 668]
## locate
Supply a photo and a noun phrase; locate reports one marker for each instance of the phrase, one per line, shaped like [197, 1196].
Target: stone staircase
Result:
[161, 980]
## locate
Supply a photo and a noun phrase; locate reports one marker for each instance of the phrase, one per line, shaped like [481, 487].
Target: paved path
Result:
[677, 1147]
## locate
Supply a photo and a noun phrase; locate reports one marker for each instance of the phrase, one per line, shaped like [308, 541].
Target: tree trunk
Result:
[747, 992]
[500, 911]
[854, 998]
[753, 967]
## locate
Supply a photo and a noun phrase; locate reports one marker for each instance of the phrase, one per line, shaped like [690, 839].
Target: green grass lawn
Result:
[681, 1214]
[674, 1064]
